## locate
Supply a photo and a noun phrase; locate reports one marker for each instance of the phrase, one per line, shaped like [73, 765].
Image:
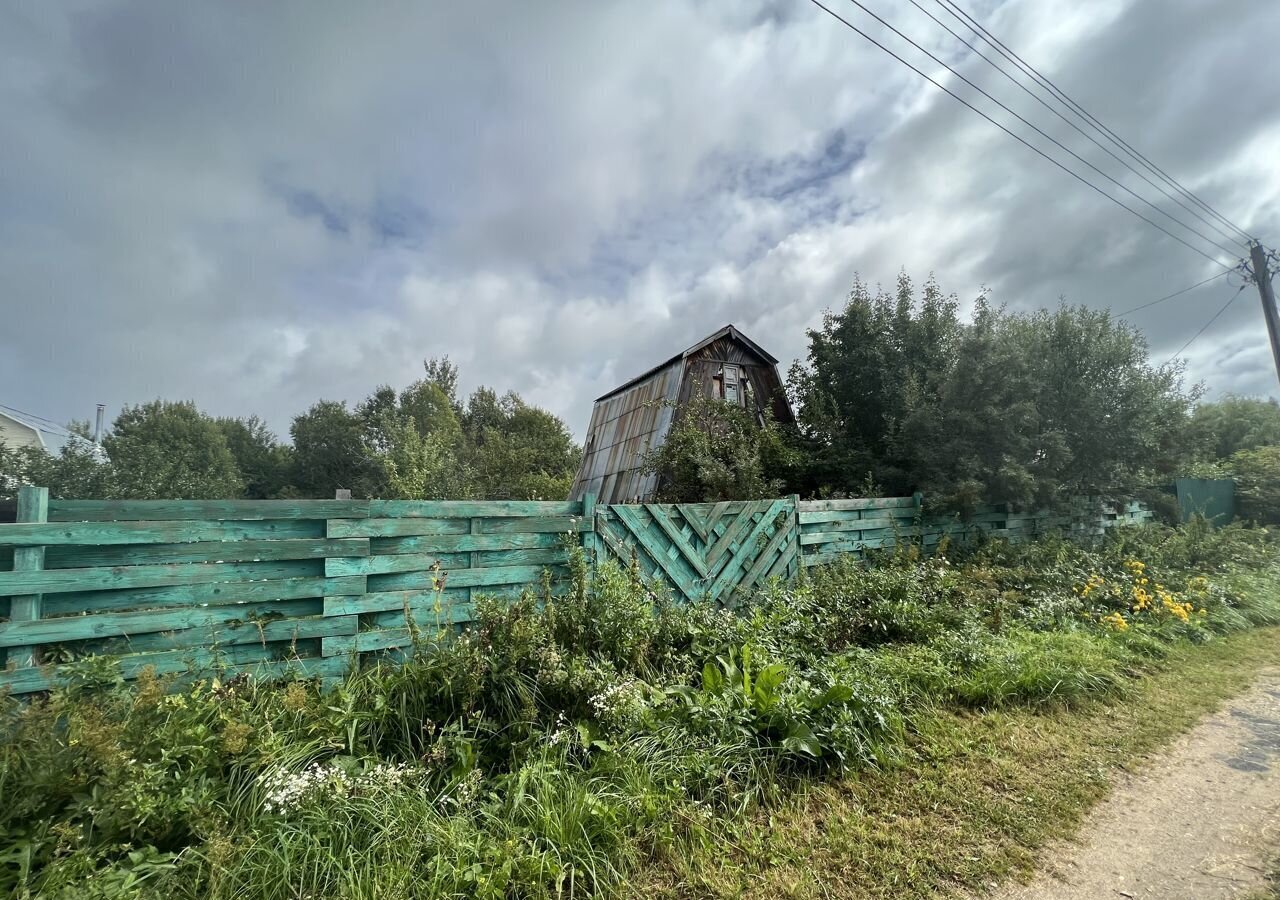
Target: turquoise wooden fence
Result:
[833, 528]
[310, 586]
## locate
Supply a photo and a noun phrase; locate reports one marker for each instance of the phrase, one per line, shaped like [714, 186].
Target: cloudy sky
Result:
[259, 205]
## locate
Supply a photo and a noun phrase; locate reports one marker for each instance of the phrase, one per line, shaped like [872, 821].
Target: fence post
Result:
[33, 506]
[589, 539]
[797, 569]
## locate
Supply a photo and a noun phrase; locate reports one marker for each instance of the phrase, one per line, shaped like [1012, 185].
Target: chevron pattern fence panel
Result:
[704, 550]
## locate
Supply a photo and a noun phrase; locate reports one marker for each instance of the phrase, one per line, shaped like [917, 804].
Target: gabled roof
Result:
[727, 331]
[52, 436]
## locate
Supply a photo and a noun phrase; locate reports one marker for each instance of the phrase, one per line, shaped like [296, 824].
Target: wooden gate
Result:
[713, 550]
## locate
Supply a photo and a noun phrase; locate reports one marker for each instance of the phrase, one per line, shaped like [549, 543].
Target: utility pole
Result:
[1262, 276]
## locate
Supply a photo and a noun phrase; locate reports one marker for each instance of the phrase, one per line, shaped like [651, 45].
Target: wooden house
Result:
[635, 417]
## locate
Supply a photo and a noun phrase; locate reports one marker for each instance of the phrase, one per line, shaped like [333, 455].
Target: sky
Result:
[256, 206]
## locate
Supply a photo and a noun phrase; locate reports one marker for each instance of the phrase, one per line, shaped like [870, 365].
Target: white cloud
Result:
[257, 207]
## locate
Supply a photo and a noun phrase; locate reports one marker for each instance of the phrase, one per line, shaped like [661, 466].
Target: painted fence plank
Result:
[157, 510]
[540, 525]
[263, 664]
[471, 509]
[168, 575]
[383, 527]
[458, 543]
[388, 601]
[203, 551]
[209, 593]
[55, 534]
[295, 637]
[528, 576]
[857, 503]
[33, 506]
[415, 562]
[110, 625]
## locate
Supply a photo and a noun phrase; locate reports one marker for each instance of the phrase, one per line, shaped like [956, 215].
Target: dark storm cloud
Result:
[255, 206]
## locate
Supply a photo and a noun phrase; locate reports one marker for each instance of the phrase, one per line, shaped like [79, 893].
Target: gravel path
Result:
[1200, 821]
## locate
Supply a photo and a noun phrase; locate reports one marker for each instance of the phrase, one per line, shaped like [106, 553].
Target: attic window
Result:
[727, 384]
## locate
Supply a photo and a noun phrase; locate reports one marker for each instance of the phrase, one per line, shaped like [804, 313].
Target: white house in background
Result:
[21, 430]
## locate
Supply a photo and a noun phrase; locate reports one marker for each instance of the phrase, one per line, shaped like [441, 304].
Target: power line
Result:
[1105, 149]
[1206, 325]
[33, 416]
[958, 13]
[1175, 294]
[1042, 133]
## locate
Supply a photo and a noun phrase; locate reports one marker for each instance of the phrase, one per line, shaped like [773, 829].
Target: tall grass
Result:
[562, 742]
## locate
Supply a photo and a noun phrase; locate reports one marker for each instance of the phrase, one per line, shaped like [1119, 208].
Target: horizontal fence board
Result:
[203, 551]
[213, 593]
[528, 576]
[261, 663]
[74, 628]
[424, 616]
[849, 515]
[124, 510]
[459, 543]
[548, 525]
[413, 562]
[58, 581]
[367, 641]
[386, 601]
[386, 528]
[857, 504]
[471, 509]
[56, 534]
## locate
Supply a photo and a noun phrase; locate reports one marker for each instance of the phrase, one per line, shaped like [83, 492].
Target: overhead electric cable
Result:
[957, 12]
[1014, 135]
[1040, 131]
[1175, 293]
[1206, 325]
[1089, 137]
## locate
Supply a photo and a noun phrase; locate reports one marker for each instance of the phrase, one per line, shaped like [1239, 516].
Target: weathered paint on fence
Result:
[830, 529]
[715, 550]
[307, 586]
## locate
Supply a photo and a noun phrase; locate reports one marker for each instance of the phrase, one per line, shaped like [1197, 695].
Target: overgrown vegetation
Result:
[563, 743]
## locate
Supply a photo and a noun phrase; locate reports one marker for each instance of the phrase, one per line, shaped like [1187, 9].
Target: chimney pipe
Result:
[97, 427]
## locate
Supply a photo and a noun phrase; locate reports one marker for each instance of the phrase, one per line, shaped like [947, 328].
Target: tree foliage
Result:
[170, 449]
[1257, 476]
[1027, 409]
[717, 451]
[263, 462]
[1226, 426]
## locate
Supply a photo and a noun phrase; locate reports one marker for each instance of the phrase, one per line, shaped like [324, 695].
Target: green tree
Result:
[717, 451]
[331, 451]
[1222, 428]
[262, 460]
[514, 451]
[170, 449]
[1257, 475]
[1028, 409]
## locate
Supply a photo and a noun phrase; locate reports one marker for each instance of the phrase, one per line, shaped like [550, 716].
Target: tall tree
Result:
[170, 449]
[330, 451]
[515, 451]
[262, 460]
[1026, 409]
[1233, 423]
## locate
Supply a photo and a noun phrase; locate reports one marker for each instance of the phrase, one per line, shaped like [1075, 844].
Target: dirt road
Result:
[1198, 821]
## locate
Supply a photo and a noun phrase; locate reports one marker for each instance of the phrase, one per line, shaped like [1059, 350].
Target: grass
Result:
[889, 729]
[976, 797]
